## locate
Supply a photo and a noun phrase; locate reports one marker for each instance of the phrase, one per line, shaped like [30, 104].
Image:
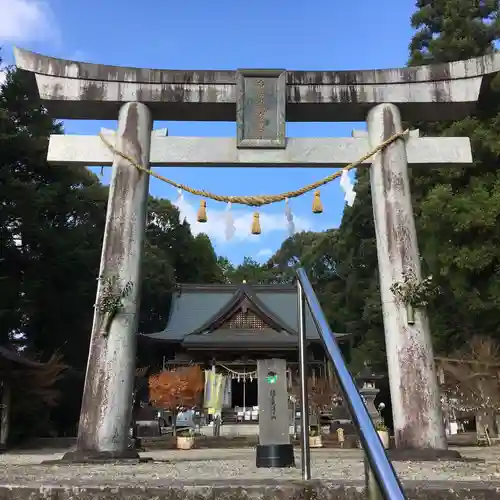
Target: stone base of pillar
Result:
[424, 455]
[100, 457]
[275, 455]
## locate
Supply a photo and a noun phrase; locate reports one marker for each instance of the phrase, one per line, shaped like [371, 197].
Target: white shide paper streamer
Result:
[229, 223]
[180, 198]
[289, 218]
[348, 188]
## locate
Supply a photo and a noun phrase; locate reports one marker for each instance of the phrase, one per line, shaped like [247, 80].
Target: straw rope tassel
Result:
[202, 211]
[256, 223]
[317, 205]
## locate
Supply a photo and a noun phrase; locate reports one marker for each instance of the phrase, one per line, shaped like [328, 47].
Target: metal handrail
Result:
[387, 480]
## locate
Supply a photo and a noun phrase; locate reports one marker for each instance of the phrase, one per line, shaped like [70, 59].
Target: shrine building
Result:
[227, 328]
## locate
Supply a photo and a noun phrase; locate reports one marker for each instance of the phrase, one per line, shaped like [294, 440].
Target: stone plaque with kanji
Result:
[260, 108]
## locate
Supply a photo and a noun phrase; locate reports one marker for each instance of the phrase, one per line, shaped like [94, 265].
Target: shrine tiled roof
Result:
[198, 312]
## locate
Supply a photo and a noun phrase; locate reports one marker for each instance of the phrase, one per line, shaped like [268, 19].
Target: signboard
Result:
[260, 108]
[274, 417]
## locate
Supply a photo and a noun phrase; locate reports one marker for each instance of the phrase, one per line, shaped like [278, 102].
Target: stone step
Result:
[267, 489]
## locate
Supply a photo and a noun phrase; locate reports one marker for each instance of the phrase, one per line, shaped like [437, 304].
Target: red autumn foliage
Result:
[321, 392]
[178, 388]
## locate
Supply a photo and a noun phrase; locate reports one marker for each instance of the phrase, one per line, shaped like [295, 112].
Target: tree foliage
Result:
[452, 30]
[323, 394]
[458, 209]
[471, 377]
[172, 255]
[52, 220]
[177, 389]
[321, 391]
[34, 390]
[249, 271]
[51, 228]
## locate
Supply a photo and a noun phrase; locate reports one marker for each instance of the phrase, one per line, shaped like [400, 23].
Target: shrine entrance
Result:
[244, 394]
[260, 102]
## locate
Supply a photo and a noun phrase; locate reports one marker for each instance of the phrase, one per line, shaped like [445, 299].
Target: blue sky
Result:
[292, 34]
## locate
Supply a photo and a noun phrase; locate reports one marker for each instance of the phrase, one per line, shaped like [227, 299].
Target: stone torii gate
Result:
[260, 101]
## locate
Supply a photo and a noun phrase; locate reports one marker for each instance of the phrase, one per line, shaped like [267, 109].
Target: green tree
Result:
[226, 268]
[453, 30]
[458, 209]
[51, 225]
[158, 266]
[354, 294]
[51, 228]
[172, 255]
[51, 222]
[314, 251]
[249, 271]
[204, 261]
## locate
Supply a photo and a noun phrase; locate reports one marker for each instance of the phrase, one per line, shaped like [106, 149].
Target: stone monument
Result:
[260, 102]
[274, 448]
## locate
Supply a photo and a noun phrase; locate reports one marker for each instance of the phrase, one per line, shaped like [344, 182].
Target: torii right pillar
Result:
[418, 422]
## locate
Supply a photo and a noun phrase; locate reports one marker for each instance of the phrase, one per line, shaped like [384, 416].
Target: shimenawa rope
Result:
[256, 200]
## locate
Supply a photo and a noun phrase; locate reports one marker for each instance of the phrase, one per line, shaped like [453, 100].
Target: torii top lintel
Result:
[77, 90]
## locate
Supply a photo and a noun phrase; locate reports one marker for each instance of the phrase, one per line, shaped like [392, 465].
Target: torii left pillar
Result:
[106, 411]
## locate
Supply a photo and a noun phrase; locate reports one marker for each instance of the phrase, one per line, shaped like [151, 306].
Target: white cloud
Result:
[264, 253]
[3, 74]
[27, 20]
[215, 227]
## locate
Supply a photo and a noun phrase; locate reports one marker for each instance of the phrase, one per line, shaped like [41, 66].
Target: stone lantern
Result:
[366, 380]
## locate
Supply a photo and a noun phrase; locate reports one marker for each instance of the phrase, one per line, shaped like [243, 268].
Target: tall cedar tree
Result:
[453, 30]
[458, 209]
[51, 221]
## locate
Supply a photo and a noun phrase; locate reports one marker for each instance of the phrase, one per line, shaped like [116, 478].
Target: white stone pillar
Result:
[107, 400]
[416, 405]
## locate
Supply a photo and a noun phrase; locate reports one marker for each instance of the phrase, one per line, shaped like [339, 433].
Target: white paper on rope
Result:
[289, 218]
[348, 188]
[229, 223]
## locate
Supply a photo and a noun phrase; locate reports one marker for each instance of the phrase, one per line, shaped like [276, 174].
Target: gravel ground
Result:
[208, 465]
